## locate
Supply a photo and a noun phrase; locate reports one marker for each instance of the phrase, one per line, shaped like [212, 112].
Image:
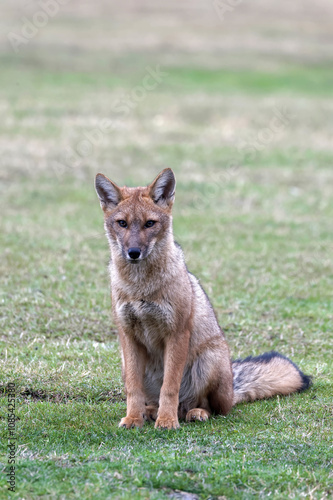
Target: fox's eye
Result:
[122, 223]
[149, 223]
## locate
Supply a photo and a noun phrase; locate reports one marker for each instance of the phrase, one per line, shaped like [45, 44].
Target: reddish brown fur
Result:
[175, 359]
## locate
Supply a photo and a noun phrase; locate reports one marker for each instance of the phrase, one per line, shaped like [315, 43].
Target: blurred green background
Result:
[237, 98]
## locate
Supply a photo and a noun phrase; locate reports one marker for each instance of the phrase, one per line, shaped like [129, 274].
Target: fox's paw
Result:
[167, 423]
[197, 414]
[151, 413]
[130, 422]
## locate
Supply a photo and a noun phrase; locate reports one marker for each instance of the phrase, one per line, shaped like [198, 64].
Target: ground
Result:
[237, 98]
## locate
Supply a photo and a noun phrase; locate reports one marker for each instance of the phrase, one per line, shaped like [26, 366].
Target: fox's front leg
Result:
[134, 362]
[175, 355]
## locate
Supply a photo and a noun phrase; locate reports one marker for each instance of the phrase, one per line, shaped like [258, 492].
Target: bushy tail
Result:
[265, 376]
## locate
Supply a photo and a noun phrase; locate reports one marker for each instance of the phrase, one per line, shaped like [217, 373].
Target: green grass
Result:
[228, 456]
[255, 223]
[309, 80]
[60, 349]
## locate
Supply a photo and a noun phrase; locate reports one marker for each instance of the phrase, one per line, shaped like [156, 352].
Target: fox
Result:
[176, 362]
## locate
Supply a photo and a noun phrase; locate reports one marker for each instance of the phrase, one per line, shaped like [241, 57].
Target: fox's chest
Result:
[149, 321]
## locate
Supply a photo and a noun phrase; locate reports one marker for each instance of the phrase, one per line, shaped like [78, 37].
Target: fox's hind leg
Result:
[220, 396]
[197, 414]
[151, 413]
[201, 413]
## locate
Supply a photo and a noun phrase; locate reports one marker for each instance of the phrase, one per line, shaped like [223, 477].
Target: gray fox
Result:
[175, 358]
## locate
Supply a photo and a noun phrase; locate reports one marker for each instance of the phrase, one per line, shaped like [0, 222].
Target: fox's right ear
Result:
[109, 194]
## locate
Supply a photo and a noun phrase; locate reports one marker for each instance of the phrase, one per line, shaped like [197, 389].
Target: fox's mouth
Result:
[134, 261]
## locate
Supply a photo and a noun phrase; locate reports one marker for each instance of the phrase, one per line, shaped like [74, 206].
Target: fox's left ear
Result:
[162, 189]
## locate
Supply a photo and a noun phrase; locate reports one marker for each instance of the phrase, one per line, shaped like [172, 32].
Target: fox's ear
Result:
[109, 194]
[162, 189]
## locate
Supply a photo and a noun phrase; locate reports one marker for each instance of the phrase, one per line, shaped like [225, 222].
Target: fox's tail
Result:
[265, 376]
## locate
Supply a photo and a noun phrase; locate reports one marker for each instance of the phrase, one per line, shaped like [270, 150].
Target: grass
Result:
[253, 214]
[290, 80]
[79, 445]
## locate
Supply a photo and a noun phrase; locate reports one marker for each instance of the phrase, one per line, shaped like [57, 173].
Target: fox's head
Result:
[138, 219]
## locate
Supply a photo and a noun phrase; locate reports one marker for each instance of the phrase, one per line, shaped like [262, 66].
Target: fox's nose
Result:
[134, 253]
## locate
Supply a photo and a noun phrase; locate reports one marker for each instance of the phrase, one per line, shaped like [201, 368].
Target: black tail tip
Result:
[306, 381]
